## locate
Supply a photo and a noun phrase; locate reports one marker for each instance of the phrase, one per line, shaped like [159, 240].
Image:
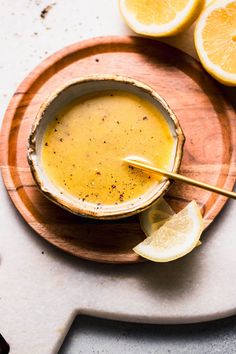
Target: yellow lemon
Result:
[159, 18]
[175, 238]
[155, 216]
[215, 40]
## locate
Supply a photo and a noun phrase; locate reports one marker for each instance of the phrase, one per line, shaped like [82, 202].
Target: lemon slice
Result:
[178, 236]
[215, 40]
[159, 18]
[154, 217]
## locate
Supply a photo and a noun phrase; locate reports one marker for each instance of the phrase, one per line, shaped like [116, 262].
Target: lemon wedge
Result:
[215, 40]
[176, 237]
[155, 216]
[159, 18]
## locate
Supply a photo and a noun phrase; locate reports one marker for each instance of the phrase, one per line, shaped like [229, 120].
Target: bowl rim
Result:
[32, 155]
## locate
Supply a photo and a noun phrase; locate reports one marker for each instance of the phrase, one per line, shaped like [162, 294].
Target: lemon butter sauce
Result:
[84, 145]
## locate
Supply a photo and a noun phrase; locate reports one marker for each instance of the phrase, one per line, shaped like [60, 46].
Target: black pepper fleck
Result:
[121, 197]
[44, 12]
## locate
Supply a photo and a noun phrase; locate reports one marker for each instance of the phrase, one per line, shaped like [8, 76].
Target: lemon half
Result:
[159, 18]
[215, 40]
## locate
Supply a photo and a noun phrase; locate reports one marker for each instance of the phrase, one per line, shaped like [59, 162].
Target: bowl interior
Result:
[62, 98]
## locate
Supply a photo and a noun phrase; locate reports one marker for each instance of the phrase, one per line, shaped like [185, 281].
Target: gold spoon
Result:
[178, 177]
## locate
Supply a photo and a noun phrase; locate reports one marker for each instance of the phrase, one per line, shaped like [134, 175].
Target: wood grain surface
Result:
[206, 117]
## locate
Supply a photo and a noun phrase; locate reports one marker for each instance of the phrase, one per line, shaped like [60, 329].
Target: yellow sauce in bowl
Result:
[84, 145]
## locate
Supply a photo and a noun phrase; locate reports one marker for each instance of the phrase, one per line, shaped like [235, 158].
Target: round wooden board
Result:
[207, 119]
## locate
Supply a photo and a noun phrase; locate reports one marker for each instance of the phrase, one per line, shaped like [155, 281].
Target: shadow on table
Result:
[94, 335]
[4, 347]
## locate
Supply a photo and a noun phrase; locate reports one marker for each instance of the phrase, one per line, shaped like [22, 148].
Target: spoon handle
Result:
[181, 178]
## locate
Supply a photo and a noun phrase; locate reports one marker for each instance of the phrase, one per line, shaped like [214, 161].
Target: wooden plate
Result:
[207, 119]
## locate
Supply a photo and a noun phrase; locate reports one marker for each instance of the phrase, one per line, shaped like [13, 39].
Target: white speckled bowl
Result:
[64, 96]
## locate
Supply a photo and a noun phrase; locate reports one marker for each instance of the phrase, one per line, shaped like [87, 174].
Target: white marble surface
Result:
[41, 288]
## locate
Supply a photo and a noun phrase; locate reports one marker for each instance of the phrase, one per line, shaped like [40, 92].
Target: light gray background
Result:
[25, 40]
[92, 335]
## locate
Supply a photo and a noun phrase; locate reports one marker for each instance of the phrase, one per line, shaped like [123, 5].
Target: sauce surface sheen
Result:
[84, 145]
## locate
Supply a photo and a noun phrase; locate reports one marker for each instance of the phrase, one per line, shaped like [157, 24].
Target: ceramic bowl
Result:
[62, 97]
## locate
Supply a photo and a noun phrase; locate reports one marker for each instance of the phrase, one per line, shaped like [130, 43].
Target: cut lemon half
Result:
[178, 236]
[215, 40]
[159, 18]
[209, 2]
